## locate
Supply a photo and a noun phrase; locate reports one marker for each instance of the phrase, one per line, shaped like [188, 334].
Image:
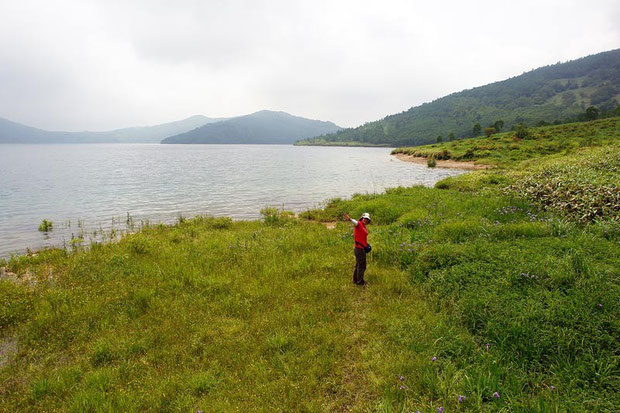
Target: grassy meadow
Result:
[491, 292]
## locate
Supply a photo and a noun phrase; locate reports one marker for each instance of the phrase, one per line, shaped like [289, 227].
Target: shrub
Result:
[591, 113]
[45, 226]
[489, 131]
[522, 132]
[276, 217]
[431, 162]
[469, 154]
[444, 154]
[219, 223]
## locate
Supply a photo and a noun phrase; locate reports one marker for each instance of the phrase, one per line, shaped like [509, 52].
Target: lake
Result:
[88, 188]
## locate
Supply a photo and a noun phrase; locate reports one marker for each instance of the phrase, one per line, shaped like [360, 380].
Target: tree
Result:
[451, 136]
[477, 129]
[522, 132]
[439, 139]
[489, 131]
[591, 113]
[498, 125]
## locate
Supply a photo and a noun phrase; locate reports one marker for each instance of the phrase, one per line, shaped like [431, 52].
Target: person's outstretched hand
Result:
[347, 216]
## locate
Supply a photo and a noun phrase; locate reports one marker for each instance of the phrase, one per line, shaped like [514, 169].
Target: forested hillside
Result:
[551, 94]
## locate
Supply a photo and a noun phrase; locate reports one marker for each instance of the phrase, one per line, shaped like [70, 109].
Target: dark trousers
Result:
[360, 265]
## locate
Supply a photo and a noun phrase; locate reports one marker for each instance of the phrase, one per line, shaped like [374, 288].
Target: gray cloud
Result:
[97, 64]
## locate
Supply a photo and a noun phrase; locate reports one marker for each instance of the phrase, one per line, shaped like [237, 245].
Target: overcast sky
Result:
[104, 64]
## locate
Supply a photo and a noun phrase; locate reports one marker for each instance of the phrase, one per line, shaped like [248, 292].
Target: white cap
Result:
[366, 215]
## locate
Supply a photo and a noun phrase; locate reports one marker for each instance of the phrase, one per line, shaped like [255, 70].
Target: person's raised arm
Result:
[354, 222]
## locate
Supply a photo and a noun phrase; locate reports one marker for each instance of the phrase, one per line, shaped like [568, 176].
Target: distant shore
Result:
[345, 144]
[441, 163]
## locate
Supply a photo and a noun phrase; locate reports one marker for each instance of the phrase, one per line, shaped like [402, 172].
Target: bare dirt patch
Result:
[441, 163]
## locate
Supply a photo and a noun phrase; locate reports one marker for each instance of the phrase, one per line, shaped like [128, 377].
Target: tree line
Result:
[591, 113]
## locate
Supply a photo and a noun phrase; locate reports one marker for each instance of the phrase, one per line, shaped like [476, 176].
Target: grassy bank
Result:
[487, 287]
[509, 148]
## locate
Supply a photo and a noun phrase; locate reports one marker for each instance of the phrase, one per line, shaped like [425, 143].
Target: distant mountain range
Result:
[264, 127]
[12, 132]
[558, 92]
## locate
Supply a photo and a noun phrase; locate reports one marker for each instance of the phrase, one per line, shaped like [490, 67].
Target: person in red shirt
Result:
[360, 233]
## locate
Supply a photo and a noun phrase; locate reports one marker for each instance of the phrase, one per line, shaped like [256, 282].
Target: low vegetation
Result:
[497, 290]
[509, 148]
[583, 186]
[46, 226]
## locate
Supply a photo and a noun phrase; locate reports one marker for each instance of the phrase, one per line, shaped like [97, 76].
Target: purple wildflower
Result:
[488, 345]
[496, 395]
[401, 387]
[401, 378]
[552, 388]
[600, 305]
[462, 399]
[440, 410]
[434, 359]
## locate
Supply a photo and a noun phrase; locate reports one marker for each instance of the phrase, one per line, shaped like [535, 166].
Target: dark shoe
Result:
[361, 283]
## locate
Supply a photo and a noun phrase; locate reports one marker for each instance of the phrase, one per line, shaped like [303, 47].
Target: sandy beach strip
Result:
[441, 163]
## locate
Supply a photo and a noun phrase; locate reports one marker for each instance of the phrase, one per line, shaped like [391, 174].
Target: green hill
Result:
[555, 93]
[264, 127]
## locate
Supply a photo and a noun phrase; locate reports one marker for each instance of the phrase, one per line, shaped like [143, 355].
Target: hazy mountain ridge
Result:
[13, 132]
[551, 93]
[263, 127]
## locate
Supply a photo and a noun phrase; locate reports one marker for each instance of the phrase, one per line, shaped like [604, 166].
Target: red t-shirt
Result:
[360, 233]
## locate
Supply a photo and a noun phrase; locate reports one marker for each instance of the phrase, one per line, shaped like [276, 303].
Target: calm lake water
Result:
[84, 188]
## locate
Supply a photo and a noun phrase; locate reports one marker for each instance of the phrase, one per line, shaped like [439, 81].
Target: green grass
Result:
[221, 316]
[475, 287]
[506, 150]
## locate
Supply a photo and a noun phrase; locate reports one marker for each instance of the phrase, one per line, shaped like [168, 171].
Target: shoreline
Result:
[442, 163]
